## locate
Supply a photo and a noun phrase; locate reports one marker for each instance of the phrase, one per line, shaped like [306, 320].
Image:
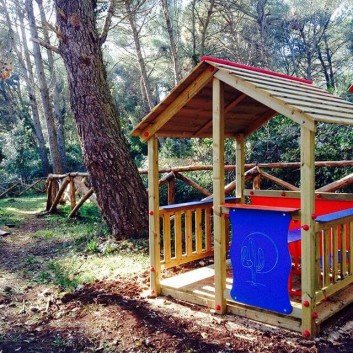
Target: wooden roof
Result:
[252, 96]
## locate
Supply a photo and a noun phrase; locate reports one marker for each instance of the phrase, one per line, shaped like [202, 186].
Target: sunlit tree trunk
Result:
[173, 46]
[120, 192]
[30, 85]
[44, 91]
[54, 87]
[145, 80]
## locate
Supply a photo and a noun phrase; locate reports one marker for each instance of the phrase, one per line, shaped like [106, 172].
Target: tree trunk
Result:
[173, 47]
[120, 192]
[205, 28]
[30, 87]
[44, 92]
[329, 62]
[262, 23]
[324, 68]
[132, 20]
[55, 97]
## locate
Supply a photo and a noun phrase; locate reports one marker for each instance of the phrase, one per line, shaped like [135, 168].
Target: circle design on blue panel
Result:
[259, 254]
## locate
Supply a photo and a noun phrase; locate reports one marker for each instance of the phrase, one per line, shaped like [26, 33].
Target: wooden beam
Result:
[177, 104]
[49, 200]
[153, 206]
[307, 191]
[265, 98]
[275, 165]
[12, 187]
[338, 184]
[30, 186]
[166, 178]
[239, 171]
[82, 200]
[171, 191]
[228, 108]
[193, 184]
[218, 196]
[72, 193]
[233, 104]
[58, 196]
[278, 181]
[249, 175]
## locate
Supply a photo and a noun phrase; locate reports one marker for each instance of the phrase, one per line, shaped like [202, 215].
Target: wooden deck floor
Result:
[197, 286]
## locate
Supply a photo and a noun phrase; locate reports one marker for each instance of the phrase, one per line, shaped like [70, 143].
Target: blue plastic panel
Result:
[260, 259]
[333, 216]
[194, 203]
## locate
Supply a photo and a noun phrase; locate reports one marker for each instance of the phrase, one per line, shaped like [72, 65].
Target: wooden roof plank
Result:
[229, 107]
[265, 98]
[177, 104]
[317, 101]
[316, 104]
[324, 112]
[299, 88]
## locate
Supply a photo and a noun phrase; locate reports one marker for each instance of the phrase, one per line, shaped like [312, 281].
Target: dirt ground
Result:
[112, 316]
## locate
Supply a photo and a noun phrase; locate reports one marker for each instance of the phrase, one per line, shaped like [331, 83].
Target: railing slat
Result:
[208, 229]
[335, 254]
[343, 251]
[188, 232]
[178, 235]
[326, 254]
[198, 229]
[351, 248]
[166, 238]
[318, 242]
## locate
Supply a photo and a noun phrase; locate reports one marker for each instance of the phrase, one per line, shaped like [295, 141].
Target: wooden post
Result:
[72, 193]
[171, 190]
[49, 194]
[218, 197]
[83, 199]
[58, 196]
[307, 197]
[153, 206]
[256, 182]
[240, 168]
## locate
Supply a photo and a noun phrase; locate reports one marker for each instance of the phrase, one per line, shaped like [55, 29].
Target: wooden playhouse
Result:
[276, 235]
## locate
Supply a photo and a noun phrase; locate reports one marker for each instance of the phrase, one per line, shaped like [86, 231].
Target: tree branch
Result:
[108, 22]
[52, 28]
[46, 45]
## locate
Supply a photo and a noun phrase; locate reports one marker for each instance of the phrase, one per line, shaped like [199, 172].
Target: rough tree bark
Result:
[173, 46]
[54, 87]
[120, 192]
[44, 92]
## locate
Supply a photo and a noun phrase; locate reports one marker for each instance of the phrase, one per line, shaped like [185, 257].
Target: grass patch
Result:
[81, 250]
[15, 211]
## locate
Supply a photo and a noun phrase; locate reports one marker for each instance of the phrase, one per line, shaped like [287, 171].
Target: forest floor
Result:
[65, 287]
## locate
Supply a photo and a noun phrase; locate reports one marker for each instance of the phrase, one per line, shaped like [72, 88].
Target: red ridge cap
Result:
[350, 89]
[257, 69]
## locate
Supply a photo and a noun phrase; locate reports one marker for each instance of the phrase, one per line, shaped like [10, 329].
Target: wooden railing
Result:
[57, 193]
[186, 234]
[20, 187]
[334, 256]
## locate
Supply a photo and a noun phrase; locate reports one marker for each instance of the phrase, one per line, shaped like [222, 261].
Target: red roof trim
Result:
[256, 69]
[350, 89]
